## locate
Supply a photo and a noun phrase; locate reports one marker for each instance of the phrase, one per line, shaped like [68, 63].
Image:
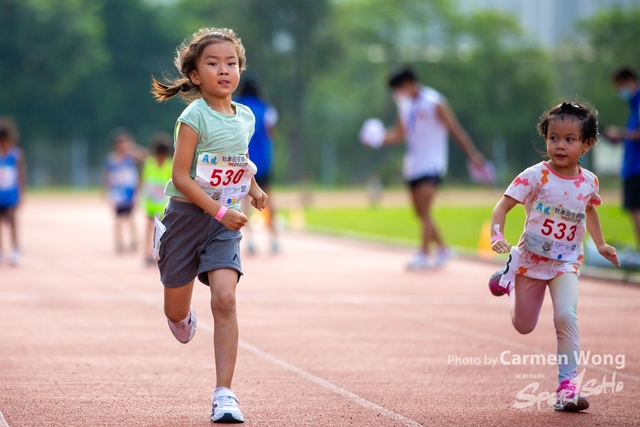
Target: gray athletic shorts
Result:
[194, 244]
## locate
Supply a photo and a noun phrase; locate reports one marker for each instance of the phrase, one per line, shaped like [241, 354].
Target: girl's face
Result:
[564, 146]
[123, 145]
[217, 71]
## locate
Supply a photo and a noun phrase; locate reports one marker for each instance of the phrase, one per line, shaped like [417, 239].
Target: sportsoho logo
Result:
[530, 396]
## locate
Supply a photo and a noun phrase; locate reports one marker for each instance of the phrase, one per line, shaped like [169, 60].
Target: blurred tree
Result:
[118, 93]
[495, 79]
[74, 69]
[78, 68]
[612, 42]
[499, 88]
[45, 49]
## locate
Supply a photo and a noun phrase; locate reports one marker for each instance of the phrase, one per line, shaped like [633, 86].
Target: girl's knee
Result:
[223, 301]
[523, 328]
[565, 318]
[175, 313]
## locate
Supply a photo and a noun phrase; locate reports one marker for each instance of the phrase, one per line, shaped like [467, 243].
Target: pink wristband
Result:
[221, 212]
[497, 237]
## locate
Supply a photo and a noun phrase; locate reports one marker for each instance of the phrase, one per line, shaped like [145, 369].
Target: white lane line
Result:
[328, 385]
[74, 296]
[143, 297]
[391, 299]
[3, 422]
[303, 298]
[319, 381]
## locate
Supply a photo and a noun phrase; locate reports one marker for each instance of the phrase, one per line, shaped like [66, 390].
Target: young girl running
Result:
[211, 175]
[559, 197]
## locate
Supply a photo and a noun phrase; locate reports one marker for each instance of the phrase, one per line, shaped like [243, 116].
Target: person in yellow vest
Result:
[156, 171]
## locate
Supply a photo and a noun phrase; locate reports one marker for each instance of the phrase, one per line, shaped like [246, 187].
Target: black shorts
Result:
[263, 181]
[194, 244]
[426, 179]
[6, 211]
[124, 210]
[631, 193]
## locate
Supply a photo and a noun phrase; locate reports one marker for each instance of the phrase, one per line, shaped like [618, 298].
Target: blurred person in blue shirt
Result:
[261, 148]
[625, 81]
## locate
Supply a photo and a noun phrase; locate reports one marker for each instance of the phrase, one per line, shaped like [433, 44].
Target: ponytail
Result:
[163, 92]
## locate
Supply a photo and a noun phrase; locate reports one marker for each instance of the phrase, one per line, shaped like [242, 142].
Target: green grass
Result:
[460, 226]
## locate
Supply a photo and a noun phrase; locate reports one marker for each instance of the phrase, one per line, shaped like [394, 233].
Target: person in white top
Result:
[424, 123]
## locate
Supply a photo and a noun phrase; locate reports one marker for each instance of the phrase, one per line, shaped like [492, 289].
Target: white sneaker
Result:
[185, 329]
[14, 257]
[443, 255]
[420, 261]
[225, 407]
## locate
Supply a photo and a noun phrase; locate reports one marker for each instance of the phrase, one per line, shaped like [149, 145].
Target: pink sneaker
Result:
[494, 284]
[568, 398]
[501, 282]
[185, 329]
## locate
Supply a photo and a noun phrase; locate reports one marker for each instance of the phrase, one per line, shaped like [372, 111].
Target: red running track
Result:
[333, 333]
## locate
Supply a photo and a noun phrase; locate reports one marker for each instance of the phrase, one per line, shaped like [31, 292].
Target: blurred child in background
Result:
[156, 172]
[121, 180]
[260, 151]
[13, 180]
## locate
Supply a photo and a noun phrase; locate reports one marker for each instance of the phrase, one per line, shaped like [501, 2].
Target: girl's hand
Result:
[609, 252]
[258, 198]
[477, 158]
[501, 246]
[234, 220]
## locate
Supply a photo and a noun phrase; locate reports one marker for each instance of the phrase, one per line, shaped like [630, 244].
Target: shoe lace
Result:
[567, 391]
[225, 401]
[182, 326]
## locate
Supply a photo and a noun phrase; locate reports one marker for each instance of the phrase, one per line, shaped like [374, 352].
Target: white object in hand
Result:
[485, 174]
[372, 133]
[159, 230]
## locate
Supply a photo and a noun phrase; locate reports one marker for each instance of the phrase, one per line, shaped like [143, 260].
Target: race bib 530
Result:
[225, 177]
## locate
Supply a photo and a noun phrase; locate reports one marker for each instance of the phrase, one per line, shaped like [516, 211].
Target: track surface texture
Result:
[333, 333]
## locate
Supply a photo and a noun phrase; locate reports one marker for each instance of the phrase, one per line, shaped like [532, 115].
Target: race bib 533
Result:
[554, 232]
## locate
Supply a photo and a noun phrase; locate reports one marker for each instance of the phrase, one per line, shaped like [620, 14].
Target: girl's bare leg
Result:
[225, 331]
[525, 302]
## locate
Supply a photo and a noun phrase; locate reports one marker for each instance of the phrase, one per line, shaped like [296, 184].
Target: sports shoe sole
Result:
[570, 406]
[227, 418]
[494, 280]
